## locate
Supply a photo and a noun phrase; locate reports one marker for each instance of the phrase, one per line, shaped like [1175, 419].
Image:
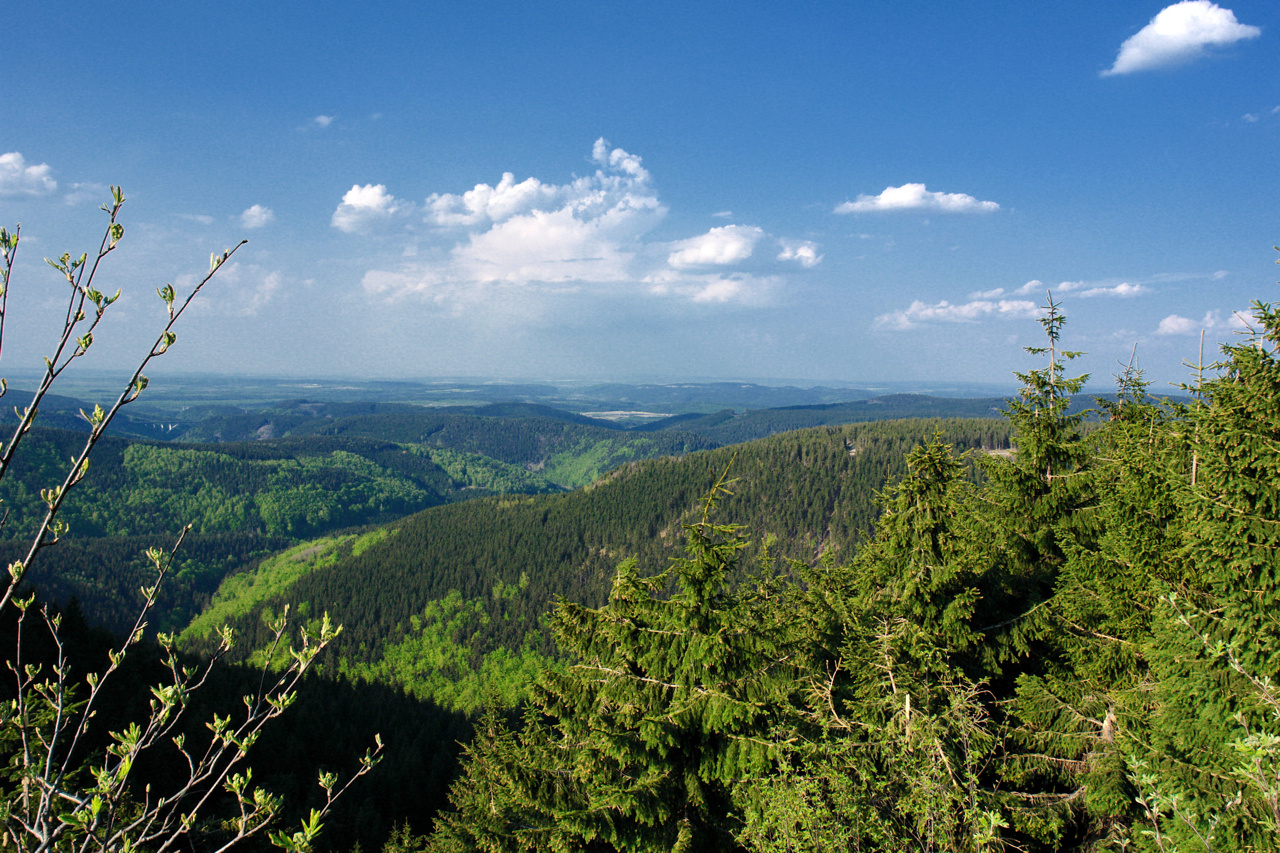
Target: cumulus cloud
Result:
[916, 197]
[920, 313]
[727, 244]
[804, 252]
[362, 206]
[1180, 33]
[257, 216]
[492, 204]
[530, 236]
[17, 178]
[1175, 324]
[322, 121]
[552, 246]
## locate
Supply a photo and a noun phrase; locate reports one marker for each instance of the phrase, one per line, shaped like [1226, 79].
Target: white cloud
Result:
[723, 214]
[1212, 320]
[1178, 34]
[713, 288]
[1089, 288]
[323, 121]
[551, 246]
[916, 197]
[1038, 288]
[919, 313]
[257, 216]
[1252, 118]
[728, 244]
[202, 218]
[362, 206]
[719, 290]
[1176, 325]
[17, 178]
[511, 241]
[804, 252]
[520, 233]
[492, 204]
[1124, 289]
[1219, 275]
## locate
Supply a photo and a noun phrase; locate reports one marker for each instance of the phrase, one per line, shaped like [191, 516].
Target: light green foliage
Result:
[238, 593]
[585, 463]
[483, 473]
[140, 487]
[368, 540]
[436, 659]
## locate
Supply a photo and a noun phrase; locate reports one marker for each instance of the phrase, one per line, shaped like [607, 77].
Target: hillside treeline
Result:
[1076, 651]
[462, 589]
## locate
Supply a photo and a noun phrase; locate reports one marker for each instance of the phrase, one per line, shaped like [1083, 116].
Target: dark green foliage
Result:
[924, 565]
[291, 487]
[890, 740]
[331, 722]
[105, 574]
[663, 706]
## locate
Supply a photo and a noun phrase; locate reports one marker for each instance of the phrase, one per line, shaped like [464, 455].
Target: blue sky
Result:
[854, 192]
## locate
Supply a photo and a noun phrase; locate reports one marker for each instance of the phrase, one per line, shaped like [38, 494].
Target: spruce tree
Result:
[1211, 771]
[1083, 706]
[639, 742]
[891, 747]
[1032, 496]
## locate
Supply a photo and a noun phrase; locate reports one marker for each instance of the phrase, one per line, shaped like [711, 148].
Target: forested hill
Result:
[293, 487]
[243, 501]
[451, 602]
[563, 449]
[568, 448]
